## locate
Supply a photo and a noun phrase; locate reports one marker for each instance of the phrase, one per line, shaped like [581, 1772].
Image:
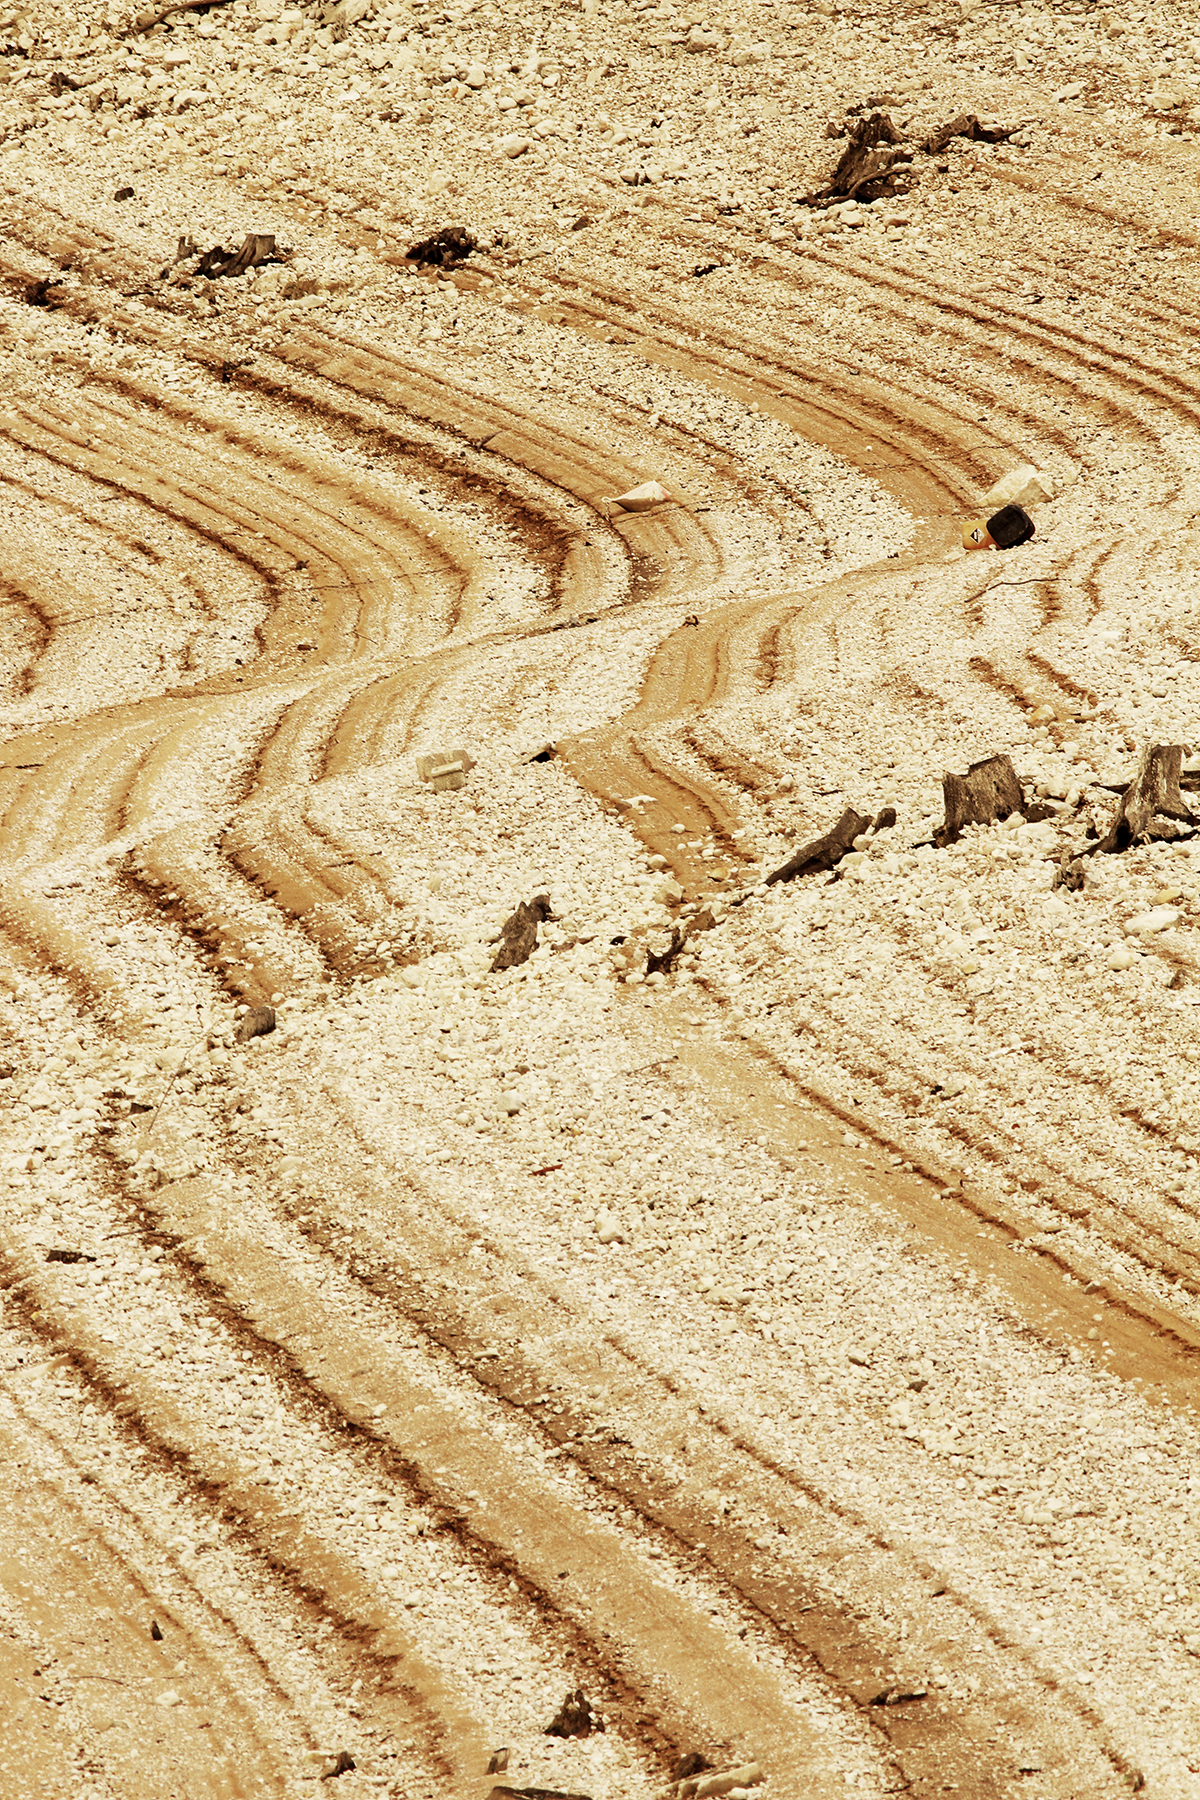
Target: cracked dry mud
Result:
[790, 1343]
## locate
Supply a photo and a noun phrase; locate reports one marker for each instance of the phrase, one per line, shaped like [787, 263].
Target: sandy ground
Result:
[795, 1351]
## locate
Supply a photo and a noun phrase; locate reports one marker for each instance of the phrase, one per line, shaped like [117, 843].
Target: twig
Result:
[166, 1091]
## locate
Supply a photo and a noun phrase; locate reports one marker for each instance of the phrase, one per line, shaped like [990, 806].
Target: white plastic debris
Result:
[640, 499]
[1020, 487]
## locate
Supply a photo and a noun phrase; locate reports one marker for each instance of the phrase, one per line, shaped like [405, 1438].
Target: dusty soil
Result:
[793, 1346]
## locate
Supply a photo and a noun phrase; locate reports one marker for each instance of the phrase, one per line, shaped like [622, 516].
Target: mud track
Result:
[365, 632]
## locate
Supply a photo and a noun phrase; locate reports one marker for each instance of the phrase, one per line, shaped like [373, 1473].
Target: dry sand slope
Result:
[795, 1350]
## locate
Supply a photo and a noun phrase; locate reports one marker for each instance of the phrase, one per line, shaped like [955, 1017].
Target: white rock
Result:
[1020, 487]
[1120, 959]
[512, 144]
[641, 498]
[1158, 918]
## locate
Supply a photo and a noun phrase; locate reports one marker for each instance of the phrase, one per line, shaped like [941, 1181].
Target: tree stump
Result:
[1153, 794]
[988, 792]
[864, 168]
[826, 852]
[574, 1718]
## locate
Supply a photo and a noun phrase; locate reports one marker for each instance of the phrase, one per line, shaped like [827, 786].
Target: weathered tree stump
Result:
[519, 933]
[988, 792]
[574, 1718]
[1153, 794]
[864, 170]
[445, 249]
[823, 853]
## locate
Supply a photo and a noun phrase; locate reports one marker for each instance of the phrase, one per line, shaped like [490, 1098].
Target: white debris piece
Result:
[639, 499]
[1025, 486]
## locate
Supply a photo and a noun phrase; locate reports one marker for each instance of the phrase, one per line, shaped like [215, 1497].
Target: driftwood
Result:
[519, 933]
[444, 249]
[826, 852]
[146, 21]
[574, 1718]
[533, 1793]
[988, 792]
[1152, 795]
[41, 292]
[257, 247]
[967, 125]
[661, 962]
[864, 169]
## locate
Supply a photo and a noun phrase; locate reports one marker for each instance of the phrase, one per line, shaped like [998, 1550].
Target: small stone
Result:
[609, 1230]
[1120, 959]
[258, 1022]
[1159, 918]
[512, 144]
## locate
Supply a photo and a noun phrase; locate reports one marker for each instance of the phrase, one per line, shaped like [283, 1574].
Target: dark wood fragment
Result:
[823, 853]
[155, 15]
[988, 792]
[661, 962]
[519, 933]
[574, 1718]
[445, 249]
[1153, 794]
[341, 1764]
[967, 125]
[864, 170]
[533, 1793]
